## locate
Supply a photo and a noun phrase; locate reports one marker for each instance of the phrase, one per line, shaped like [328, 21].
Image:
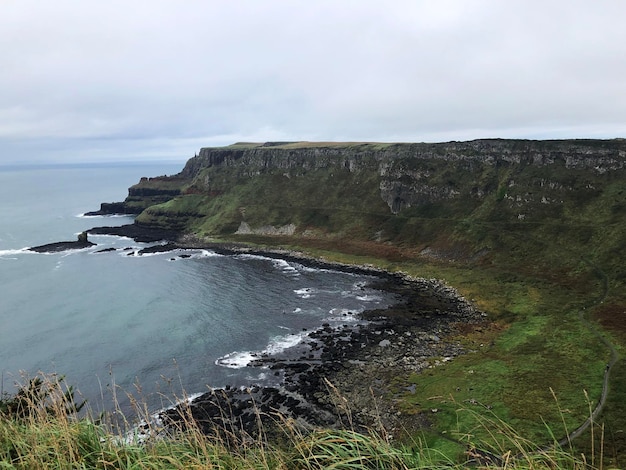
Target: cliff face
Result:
[417, 174]
[146, 193]
[403, 194]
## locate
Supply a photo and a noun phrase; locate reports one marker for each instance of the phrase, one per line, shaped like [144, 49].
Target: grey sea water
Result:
[116, 323]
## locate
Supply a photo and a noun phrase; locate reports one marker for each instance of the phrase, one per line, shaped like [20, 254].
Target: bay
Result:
[155, 327]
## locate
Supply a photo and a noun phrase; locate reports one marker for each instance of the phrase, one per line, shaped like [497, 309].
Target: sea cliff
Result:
[529, 178]
[532, 231]
[439, 198]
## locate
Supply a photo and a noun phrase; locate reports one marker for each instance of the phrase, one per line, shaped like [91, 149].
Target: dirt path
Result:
[607, 371]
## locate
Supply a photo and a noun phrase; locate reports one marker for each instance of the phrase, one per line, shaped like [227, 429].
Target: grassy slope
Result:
[534, 276]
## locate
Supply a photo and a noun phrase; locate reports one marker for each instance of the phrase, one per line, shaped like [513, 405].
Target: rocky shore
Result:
[345, 377]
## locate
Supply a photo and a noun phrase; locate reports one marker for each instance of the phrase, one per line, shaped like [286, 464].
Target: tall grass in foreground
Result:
[46, 433]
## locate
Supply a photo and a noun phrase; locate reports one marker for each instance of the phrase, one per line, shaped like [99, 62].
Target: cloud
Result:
[148, 79]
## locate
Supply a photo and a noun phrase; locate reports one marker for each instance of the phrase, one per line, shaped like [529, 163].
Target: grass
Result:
[535, 343]
[533, 245]
[51, 437]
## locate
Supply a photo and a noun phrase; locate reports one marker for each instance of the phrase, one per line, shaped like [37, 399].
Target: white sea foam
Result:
[285, 266]
[341, 311]
[305, 292]
[342, 315]
[281, 343]
[105, 236]
[239, 359]
[368, 298]
[310, 269]
[148, 255]
[250, 256]
[236, 360]
[197, 254]
[281, 264]
[256, 378]
[206, 254]
[102, 216]
[10, 254]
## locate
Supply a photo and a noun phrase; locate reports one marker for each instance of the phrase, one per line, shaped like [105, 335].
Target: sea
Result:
[123, 328]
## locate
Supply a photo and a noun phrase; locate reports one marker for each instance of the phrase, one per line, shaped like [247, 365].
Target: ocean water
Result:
[153, 326]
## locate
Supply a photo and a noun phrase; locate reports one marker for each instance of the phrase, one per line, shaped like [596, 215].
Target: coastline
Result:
[344, 377]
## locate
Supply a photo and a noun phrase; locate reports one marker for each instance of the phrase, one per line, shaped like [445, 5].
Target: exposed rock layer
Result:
[356, 190]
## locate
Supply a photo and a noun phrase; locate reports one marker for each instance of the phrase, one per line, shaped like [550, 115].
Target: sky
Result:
[135, 80]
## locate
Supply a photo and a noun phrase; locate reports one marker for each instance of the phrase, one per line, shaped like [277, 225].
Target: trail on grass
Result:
[607, 371]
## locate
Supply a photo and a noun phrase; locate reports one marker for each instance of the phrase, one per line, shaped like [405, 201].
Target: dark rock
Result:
[106, 250]
[113, 208]
[79, 244]
[158, 248]
[340, 365]
[137, 233]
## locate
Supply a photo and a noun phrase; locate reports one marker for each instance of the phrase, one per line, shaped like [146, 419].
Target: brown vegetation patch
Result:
[355, 247]
[475, 334]
[612, 317]
[445, 249]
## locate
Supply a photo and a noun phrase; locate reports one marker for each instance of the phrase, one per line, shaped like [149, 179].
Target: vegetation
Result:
[538, 246]
[532, 232]
[50, 435]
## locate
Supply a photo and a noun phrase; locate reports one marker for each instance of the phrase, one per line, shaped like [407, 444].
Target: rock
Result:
[335, 367]
[79, 244]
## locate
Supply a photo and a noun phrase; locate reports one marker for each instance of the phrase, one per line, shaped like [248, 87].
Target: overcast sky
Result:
[85, 80]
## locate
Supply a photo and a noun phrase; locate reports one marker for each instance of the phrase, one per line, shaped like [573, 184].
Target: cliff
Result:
[384, 192]
[534, 230]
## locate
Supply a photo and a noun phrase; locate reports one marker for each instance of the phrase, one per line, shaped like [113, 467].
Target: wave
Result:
[343, 315]
[102, 216]
[104, 235]
[369, 298]
[281, 264]
[12, 254]
[236, 360]
[305, 292]
[360, 292]
[285, 266]
[178, 254]
[4, 254]
[310, 269]
[195, 255]
[250, 256]
[240, 359]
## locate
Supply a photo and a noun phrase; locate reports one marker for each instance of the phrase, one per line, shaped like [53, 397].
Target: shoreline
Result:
[339, 377]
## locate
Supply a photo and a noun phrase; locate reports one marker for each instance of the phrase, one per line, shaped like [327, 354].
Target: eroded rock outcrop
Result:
[80, 243]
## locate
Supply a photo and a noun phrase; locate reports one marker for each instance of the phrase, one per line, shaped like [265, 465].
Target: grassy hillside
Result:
[533, 232]
[39, 429]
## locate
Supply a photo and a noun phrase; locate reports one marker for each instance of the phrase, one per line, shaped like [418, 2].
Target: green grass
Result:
[48, 437]
[536, 346]
[540, 245]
